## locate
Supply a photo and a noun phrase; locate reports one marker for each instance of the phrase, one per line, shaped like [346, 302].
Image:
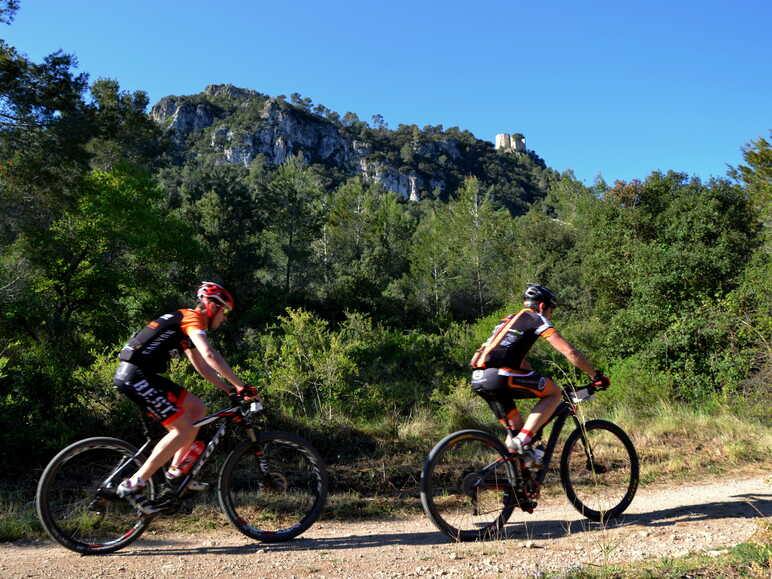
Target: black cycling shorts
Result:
[158, 396]
[500, 388]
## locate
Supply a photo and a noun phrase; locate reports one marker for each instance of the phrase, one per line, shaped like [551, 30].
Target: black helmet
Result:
[535, 294]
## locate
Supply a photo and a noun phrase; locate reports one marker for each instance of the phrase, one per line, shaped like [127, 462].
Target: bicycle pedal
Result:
[98, 505]
[142, 504]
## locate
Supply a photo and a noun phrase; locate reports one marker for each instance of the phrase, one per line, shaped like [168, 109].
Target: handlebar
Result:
[583, 393]
[238, 400]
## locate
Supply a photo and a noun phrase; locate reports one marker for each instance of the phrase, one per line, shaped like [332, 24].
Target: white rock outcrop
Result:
[281, 130]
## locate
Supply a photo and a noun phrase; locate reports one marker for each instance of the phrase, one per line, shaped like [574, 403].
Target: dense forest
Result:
[355, 306]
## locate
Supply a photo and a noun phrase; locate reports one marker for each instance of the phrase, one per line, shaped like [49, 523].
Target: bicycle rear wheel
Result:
[599, 470]
[465, 486]
[76, 500]
[273, 489]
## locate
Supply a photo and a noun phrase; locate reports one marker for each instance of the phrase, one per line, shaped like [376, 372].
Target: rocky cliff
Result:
[236, 125]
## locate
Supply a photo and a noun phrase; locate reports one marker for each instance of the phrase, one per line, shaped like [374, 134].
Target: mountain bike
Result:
[471, 483]
[272, 485]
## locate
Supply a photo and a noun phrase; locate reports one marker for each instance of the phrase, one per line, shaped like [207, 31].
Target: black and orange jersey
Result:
[163, 339]
[511, 340]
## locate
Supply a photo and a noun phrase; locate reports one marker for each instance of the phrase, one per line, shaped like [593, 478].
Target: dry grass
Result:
[674, 443]
[750, 559]
[678, 441]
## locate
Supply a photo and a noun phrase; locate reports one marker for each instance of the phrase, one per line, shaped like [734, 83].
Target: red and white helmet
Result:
[212, 295]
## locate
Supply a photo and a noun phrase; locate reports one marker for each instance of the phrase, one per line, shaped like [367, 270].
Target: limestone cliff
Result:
[235, 125]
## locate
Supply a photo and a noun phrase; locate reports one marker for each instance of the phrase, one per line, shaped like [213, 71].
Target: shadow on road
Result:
[749, 506]
[161, 548]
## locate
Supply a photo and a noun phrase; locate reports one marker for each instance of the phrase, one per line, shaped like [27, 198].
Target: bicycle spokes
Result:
[467, 487]
[76, 497]
[273, 489]
[599, 470]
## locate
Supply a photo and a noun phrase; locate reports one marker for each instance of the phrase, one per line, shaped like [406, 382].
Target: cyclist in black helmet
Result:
[501, 371]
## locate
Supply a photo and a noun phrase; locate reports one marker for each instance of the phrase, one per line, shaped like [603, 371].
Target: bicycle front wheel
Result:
[466, 486]
[273, 489]
[599, 470]
[76, 500]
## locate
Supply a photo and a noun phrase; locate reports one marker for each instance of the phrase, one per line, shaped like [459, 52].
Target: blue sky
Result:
[618, 89]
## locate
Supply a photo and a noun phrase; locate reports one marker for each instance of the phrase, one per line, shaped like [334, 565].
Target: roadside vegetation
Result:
[357, 311]
[752, 558]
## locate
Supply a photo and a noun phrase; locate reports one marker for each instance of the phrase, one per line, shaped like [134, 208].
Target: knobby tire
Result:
[75, 506]
[599, 470]
[273, 489]
[464, 501]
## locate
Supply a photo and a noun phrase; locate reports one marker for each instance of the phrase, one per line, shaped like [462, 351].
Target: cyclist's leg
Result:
[194, 410]
[178, 440]
[534, 385]
[169, 403]
[513, 424]
[543, 409]
[493, 388]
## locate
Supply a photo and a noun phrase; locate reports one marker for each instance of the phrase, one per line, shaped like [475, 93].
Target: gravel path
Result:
[662, 521]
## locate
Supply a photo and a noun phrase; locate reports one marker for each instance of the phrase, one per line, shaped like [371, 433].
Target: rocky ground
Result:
[662, 521]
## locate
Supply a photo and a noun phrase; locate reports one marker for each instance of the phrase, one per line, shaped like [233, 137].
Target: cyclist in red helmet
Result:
[147, 356]
[501, 371]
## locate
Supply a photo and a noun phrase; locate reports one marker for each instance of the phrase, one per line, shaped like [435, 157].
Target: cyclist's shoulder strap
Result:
[481, 355]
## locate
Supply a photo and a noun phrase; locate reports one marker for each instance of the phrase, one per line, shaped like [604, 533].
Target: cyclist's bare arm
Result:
[572, 354]
[211, 365]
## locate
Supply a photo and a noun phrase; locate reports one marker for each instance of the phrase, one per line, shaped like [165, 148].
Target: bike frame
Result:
[234, 414]
[565, 409]
[229, 416]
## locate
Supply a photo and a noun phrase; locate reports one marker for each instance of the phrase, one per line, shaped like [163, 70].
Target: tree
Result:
[362, 246]
[229, 207]
[8, 9]
[654, 249]
[482, 239]
[431, 277]
[124, 133]
[115, 236]
[296, 198]
[378, 122]
[756, 176]
[44, 126]
[349, 119]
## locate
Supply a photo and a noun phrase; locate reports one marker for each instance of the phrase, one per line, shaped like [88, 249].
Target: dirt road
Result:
[661, 522]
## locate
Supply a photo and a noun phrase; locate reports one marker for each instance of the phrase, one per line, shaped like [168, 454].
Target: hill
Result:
[226, 124]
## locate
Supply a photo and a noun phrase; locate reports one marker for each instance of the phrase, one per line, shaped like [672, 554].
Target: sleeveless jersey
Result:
[511, 340]
[163, 339]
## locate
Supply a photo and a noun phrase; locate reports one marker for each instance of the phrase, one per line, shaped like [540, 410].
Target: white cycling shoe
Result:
[530, 457]
[131, 490]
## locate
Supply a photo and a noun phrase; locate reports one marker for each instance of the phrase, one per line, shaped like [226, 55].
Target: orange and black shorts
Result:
[158, 396]
[500, 388]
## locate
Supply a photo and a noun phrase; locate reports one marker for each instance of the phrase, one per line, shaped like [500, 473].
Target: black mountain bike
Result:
[471, 483]
[272, 485]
